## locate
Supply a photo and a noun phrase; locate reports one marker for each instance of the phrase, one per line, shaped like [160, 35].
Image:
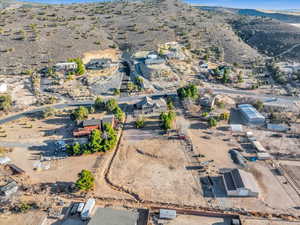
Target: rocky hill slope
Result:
[40, 35]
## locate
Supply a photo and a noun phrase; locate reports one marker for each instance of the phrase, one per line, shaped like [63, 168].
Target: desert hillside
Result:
[38, 35]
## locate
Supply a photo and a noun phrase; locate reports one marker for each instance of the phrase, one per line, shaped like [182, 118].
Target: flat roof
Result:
[109, 216]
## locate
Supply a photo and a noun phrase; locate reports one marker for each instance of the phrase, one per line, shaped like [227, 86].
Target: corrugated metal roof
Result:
[92, 122]
[250, 111]
[167, 214]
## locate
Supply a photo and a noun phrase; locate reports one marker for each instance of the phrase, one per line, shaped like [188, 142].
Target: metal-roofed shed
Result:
[167, 214]
[236, 127]
[257, 145]
[93, 122]
[250, 115]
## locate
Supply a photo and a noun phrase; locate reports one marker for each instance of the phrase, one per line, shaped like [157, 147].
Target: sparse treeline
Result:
[190, 91]
[167, 119]
[99, 141]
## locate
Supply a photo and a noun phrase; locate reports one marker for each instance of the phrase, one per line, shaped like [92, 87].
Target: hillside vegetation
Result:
[271, 37]
[36, 36]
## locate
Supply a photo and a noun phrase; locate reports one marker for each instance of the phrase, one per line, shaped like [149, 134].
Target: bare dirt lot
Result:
[196, 220]
[214, 145]
[285, 144]
[154, 168]
[268, 222]
[30, 218]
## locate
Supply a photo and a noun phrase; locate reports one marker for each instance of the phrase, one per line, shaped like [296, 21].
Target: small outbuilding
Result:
[9, 189]
[236, 127]
[167, 214]
[258, 146]
[277, 127]
[4, 160]
[263, 156]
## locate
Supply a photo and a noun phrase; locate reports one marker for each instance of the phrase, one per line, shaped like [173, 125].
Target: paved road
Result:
[289, 50]
[280, 100]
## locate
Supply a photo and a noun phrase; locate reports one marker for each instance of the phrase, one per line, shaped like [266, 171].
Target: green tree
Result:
[117, 91]
[224, 116]
[119, 114]
[80, 66]
[170, 104]
[111, 105]
[24, 207]
[86, 180]
[167, 118]
[225, 77]
[76, 149]
[109, 138]
[259, 105]
[5, 102]
[49, 111]
[99, 103]
[212, 122]
[240, 77]
[190, 91]
[140, 122]
[95, 141]
[80, 113]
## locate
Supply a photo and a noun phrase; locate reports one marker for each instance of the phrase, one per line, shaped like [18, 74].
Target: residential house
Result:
[99, 64]
[92, 124]
[65, 66]
[149, 106]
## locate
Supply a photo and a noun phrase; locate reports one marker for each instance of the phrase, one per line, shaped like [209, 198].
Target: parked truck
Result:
[88, 208]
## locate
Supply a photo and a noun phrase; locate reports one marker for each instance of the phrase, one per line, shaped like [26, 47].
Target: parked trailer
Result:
[80, 207]
[88, 208]
[74, 208]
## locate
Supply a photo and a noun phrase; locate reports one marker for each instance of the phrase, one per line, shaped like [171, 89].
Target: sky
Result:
[251, 4]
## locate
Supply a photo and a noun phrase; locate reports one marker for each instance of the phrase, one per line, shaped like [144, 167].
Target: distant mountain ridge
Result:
[278, 15]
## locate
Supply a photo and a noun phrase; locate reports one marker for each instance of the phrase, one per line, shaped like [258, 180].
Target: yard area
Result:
[196, 220]
[30, 137]
[154, 167]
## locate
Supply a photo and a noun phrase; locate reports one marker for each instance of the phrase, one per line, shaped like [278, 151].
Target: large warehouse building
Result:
[109, 216]
[250, 115]
[239, 183]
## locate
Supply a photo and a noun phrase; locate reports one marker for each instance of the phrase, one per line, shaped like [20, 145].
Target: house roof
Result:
[92, 122]
[250, 111]
[147, 101]
[108, 216]
[236, 179]
[108, 119]
[8, 186]
[99, 61]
